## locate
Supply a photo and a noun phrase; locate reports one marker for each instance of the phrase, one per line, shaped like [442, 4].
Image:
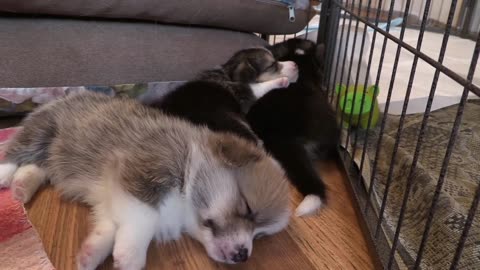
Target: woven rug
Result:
[455, 198]
[20, 245]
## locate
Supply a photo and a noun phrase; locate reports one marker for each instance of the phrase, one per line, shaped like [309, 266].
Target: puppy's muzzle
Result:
[240, 256]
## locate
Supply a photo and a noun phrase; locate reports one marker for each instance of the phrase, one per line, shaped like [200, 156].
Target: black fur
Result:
[298, 123]
[207, 103]
[220, 98]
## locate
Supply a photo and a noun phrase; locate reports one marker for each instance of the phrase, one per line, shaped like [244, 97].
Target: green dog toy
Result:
[351, 107]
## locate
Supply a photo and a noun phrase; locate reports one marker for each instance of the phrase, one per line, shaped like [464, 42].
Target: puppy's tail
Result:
[310, 205]
[301, 172]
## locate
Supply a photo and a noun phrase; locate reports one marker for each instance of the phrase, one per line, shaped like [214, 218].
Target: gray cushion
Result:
[261, 16]
[63, 52]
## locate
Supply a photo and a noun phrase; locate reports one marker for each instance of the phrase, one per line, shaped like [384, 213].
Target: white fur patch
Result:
[261, 88]
[309, 205]
[26, 181]
[299, 52]
[136, 224]
[6, 173]
[171, 218]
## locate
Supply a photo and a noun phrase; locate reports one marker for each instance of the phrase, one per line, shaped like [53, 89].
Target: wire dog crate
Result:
[355, 13]
[408, 171]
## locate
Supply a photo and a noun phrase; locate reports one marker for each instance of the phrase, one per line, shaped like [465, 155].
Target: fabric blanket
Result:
[20, 245]
[14, 101]
[462, 178]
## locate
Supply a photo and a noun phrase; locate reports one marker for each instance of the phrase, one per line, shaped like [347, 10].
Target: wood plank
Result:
[332, 239]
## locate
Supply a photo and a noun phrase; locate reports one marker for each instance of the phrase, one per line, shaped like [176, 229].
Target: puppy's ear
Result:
[303, 44]
[234, 152]
[279, 50]
[244, 72]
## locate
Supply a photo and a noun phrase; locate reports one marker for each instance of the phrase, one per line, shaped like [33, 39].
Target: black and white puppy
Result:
[297, 125]
[297, 122]
[221, 97]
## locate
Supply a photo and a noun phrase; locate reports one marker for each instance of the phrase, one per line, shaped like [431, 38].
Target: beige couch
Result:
[106, 42]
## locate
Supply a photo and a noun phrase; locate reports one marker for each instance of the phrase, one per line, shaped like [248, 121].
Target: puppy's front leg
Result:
[260, 89]
[26, 181]
[133, 238]
[99, 243]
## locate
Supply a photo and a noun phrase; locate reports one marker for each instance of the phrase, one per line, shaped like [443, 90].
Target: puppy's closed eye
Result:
[250, 215]
[244, 72]
[259, 235]
[209, 223]
[272, 68]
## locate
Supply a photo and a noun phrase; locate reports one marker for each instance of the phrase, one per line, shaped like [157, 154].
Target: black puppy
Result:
[297, 125]
[220, 98]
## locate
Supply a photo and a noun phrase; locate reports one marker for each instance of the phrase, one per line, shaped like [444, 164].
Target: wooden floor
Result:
[330, 240]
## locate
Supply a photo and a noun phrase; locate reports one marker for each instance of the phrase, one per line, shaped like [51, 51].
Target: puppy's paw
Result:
[310, 205]
[285, 82]
[85, 258]
[19, 192]
[6, 174]
[128, 260]
[97, 246]
[282, 82]
[26, 180]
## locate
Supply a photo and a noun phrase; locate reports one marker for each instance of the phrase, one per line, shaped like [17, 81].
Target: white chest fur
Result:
[172, 217]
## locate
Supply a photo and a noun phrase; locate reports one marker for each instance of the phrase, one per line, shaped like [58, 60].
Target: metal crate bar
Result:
[338, 56]
[382, 126]
[327, 33]
[451, 142]
[343, 66]
[385, 245]
[423, 125]
[344, 55]
[307, 19]
[332, 13]
[384, 120]
[362, 47]
[466, 229]
[350, 74]
[453, 75]
[399, 134]
[369, 65]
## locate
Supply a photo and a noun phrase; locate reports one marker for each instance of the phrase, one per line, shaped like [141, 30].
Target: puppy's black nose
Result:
[241, 256]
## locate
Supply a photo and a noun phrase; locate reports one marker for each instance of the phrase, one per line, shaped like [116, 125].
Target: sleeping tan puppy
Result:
[147, 175]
